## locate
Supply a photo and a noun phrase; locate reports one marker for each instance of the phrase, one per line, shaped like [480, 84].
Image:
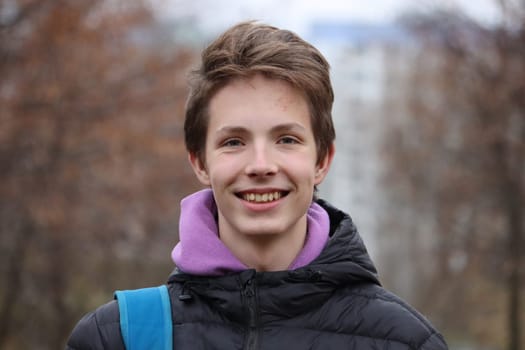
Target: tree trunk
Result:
[515, 229]
[13, 279]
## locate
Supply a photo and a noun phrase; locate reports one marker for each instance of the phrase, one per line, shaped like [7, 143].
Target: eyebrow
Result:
[278, 128]
[289, 127]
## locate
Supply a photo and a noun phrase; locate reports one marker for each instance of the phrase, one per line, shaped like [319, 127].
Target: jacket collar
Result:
[344, 261]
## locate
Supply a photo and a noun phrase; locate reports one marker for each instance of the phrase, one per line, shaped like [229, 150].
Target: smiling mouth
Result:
[262, 197]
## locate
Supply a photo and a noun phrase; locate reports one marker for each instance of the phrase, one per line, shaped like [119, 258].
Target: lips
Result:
[262, 197]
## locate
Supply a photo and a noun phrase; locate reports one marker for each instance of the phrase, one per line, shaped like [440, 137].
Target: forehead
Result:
[258, 99]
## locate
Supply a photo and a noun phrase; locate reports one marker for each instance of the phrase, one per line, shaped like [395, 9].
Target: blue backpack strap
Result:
[145, 318]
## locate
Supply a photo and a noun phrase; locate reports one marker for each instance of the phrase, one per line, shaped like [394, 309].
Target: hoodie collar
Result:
[344, 261]
[200, 251]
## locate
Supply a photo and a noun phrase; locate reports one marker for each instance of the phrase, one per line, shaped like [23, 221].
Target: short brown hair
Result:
[249, 48]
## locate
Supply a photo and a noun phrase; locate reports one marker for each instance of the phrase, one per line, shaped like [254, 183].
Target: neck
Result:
[266, 252]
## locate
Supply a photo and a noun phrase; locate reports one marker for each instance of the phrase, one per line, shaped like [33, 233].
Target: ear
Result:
[324, 165]
[199, 169]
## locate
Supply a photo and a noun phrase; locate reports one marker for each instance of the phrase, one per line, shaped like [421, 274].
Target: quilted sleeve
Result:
[98, 330]
[434, 342]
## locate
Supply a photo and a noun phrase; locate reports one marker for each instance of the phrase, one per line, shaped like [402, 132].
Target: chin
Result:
[258, 231]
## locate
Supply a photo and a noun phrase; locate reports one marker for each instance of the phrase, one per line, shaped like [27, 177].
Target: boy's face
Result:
[260, 158]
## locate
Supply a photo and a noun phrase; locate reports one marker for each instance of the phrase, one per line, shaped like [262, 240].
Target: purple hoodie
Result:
[201, 252]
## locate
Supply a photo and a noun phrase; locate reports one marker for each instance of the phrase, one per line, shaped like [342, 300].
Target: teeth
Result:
[262, 197]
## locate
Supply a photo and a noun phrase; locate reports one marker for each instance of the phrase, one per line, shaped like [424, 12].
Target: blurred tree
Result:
[457, 172]
[92, 162]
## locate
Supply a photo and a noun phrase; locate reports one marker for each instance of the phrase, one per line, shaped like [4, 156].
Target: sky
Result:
[296, 14]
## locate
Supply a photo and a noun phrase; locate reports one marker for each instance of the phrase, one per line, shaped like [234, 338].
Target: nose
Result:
[261, 162]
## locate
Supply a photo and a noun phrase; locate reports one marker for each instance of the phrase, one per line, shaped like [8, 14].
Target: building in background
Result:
[362, 57]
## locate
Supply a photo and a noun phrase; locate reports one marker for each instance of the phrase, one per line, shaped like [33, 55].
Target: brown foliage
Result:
[92, 163]
[457, 165]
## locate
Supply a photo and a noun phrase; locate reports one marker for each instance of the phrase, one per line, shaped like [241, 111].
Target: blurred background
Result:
[430, 163]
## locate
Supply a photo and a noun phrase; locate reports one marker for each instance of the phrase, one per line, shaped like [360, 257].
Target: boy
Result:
[262, 263]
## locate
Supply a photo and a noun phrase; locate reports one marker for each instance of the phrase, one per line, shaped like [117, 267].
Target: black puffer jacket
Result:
[335, 302]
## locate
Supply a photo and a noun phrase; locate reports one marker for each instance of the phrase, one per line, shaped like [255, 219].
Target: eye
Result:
[231, 143]
[288, 140]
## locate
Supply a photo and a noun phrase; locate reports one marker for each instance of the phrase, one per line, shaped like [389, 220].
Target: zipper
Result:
[252, 339]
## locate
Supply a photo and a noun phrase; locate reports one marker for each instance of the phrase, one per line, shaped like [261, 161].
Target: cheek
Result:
[303, 169]
[222, 170]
